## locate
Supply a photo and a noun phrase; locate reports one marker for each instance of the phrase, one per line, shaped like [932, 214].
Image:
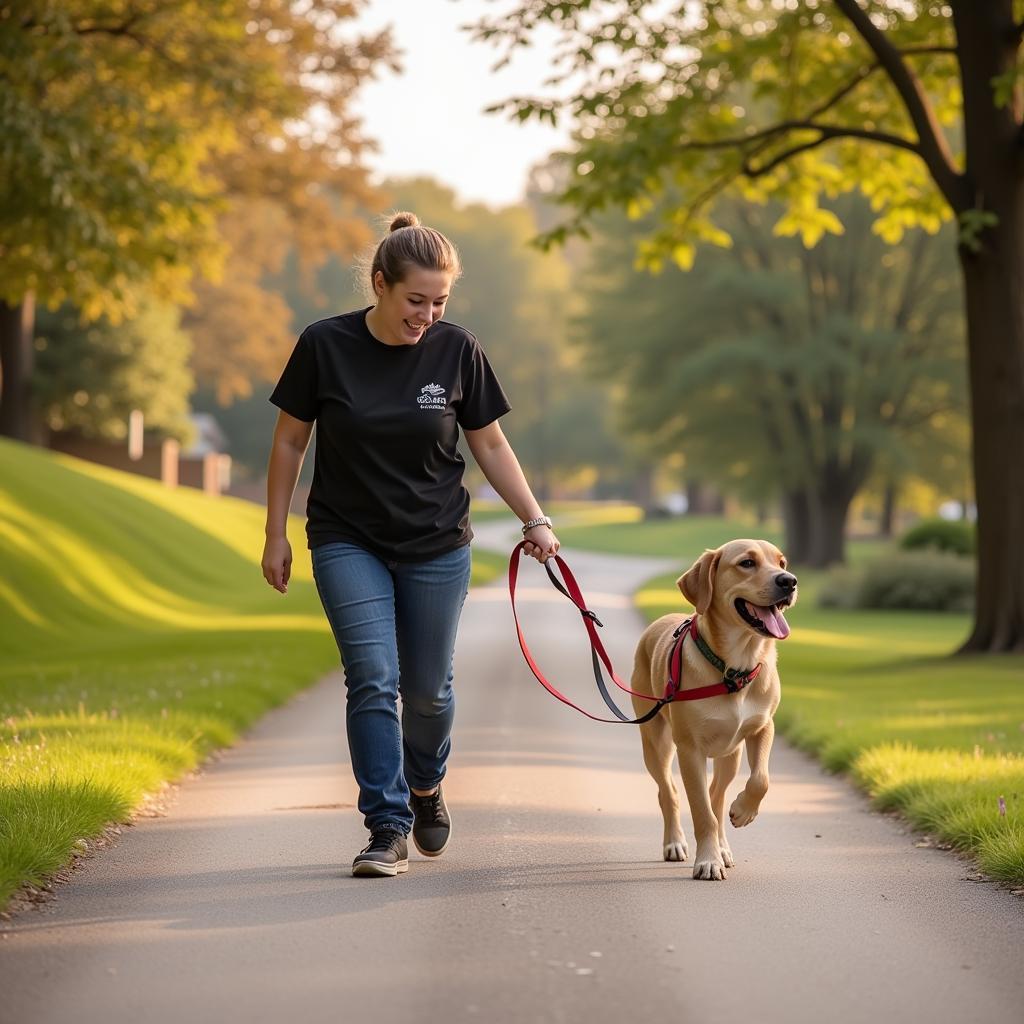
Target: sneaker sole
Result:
[433, 853]
[369, 868]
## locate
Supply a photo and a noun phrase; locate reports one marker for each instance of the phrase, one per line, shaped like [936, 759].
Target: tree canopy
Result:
[89, 377]
[126, 125]
[780, 371]
[756, 98]
[918, 105]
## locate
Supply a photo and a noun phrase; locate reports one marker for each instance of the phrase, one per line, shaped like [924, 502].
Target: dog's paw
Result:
[741, 812]
[727, 858]
[675, 851]
[710, 870]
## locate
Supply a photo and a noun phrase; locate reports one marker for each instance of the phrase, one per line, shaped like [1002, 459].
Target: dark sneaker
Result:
[431, 827]
[387, 854]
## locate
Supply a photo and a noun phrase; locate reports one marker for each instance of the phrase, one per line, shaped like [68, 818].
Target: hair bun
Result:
[404, 220]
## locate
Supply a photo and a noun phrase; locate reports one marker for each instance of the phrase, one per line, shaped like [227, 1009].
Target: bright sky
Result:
[430, 119]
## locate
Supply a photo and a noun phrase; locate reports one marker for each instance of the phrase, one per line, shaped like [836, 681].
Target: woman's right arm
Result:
[291, 439]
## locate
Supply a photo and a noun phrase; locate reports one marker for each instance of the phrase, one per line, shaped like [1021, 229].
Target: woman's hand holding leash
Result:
[541, 543]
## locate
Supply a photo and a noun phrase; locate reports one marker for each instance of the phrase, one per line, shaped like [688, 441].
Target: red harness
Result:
[732, 680]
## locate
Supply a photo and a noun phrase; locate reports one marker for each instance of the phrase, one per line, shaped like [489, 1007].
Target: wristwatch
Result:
[539, 521]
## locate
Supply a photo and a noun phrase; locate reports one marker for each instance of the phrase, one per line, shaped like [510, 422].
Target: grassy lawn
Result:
[136, 634]
[685, 537]
[876, 695]
[565, 513]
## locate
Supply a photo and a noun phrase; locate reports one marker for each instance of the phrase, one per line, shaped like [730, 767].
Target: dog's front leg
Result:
[745, 807]
[708, 862]
[725, 771]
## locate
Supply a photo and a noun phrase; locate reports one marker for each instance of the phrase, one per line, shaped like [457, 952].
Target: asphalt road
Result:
[552, 903]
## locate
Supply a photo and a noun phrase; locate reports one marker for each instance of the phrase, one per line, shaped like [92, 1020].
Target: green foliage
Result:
[119, 122]
[773, 369]
[955, 536]
[972, 224]
[919, 581]
[89, 377]
[875, 694]
[710, 101]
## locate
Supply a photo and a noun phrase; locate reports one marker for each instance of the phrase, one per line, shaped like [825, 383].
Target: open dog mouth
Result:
[769, 621]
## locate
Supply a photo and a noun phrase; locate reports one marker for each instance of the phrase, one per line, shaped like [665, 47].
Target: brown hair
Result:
[410, 244]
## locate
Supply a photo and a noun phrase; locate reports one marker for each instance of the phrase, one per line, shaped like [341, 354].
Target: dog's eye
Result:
[748, 563]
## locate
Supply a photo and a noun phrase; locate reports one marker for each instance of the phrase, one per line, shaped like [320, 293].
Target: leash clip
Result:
[681, 628]
[588, 614]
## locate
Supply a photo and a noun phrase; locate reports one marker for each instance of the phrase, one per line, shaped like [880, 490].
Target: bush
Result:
[840, 588]
[952, 535]
[921, 580]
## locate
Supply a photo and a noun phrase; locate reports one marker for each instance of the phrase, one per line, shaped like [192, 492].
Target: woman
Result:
[388, 388]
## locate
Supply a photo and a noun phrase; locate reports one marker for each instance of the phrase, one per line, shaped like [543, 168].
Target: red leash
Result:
[731, 682]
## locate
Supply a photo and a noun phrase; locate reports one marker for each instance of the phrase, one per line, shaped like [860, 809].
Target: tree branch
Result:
[869, 69]
[933, 148]
[825, 134]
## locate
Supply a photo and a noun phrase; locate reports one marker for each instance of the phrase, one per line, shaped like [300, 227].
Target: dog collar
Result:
[733, 679]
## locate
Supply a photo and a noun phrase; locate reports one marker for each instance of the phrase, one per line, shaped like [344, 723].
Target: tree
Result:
[241, 328]
[802, 99]
[127, 127]
[780, 371]
[90, 376]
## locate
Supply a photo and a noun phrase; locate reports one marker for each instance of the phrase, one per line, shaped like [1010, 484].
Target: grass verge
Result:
[136, 635]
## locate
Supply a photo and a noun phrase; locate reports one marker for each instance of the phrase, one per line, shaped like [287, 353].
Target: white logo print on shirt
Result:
[432, 397]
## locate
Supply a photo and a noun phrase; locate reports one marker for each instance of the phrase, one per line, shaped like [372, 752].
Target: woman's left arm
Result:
[495, 457]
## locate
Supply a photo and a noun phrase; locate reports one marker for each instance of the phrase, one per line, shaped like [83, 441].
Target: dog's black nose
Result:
[786, 581]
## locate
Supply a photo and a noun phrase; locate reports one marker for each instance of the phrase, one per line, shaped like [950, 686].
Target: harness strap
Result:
[733, 680]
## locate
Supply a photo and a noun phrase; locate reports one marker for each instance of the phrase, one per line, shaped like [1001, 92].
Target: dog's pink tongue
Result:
[774, 621]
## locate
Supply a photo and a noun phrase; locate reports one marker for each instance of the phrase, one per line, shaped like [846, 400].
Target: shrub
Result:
[840, 587]
[920, 580]
[953, 535]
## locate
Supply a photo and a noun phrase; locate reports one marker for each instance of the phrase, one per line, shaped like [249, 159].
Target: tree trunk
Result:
[995, 328]
[642, 487]
[887, 520]
[703, 499]
[827, 542]
[16, 362]
[993, 272]
[815, 525]
[796, 518]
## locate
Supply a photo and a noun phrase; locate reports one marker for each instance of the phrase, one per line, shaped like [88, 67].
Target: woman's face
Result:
[408, 307]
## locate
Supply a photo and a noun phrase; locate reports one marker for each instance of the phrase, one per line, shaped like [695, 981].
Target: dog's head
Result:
[743, 581]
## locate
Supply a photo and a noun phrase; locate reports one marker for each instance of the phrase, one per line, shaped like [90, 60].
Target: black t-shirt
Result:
[387, 475]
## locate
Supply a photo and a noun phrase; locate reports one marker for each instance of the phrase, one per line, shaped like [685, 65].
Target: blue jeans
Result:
[385, 615]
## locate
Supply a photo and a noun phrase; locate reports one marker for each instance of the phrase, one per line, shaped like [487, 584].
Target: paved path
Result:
[551, 904]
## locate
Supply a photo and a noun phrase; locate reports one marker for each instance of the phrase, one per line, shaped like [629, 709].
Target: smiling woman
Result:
[412, 275]
[388, 388]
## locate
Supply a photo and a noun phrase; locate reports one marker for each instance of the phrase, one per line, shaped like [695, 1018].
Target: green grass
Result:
[684, 538]
[136, 634]
[565, 513]
[877, 695]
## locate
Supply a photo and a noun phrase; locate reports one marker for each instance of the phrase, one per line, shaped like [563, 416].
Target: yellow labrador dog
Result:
[740, 592]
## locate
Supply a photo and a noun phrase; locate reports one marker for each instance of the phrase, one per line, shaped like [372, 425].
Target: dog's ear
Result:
[698, 582]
